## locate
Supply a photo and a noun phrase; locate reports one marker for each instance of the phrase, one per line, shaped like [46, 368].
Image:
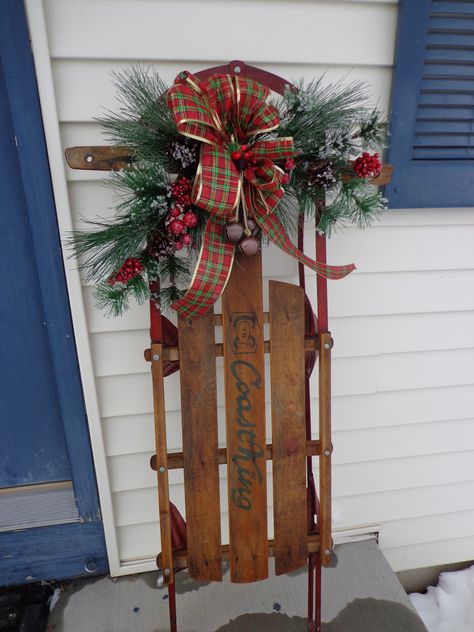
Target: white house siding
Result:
[403, 369]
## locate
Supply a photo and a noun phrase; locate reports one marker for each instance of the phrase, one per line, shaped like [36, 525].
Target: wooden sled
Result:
[302, 520]
[301, 516]
[243, 322]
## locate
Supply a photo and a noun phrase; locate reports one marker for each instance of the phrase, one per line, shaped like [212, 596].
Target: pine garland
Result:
[330, 125]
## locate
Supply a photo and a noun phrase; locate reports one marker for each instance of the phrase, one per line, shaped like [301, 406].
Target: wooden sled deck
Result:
[243, 323]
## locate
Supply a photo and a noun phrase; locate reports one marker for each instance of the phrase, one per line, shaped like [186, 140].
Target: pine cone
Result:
[321, 174]
[161, 246]
[184, 152]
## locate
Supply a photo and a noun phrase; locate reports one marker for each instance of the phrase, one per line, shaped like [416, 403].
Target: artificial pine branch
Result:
[174, 270]
[373, 129]
[356, 202]
[106, 248]
[168, 295]
[311, 112]
[114, 300]
[143, 122]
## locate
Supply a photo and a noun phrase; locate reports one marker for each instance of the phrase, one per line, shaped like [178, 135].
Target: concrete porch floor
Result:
[361, 594]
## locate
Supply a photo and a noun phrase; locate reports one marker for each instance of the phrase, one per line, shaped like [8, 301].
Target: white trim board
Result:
[41, 54]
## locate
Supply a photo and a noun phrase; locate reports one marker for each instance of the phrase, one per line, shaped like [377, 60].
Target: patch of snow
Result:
[449, 606]
[53, 600]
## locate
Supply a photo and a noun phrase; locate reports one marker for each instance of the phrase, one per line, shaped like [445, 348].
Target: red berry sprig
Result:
[367, 166]
[181, 191]
[130, 268]
[179, 219]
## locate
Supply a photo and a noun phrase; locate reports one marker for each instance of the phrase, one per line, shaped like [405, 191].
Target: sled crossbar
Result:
[180, 556]
[175, 459]
[172, 353]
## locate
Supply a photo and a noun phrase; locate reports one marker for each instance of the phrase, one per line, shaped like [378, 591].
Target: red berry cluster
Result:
[244, 157]
[179, 219]
[367, 166]
[131, 268]
[181, 191]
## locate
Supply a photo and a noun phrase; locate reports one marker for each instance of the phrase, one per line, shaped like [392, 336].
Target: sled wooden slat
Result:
[288, 425]
[162, 460]
[244, 373]
[200, 443]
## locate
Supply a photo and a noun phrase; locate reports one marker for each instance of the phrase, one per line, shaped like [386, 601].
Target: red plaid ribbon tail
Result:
[212, 272]
[275, 231]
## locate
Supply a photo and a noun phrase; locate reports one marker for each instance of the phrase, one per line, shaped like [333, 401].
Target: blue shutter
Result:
[432, 113]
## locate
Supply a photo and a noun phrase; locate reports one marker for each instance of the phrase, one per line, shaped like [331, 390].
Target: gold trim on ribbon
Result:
[261, 130]
[202, 140]
[237, 100]
[192, 120]
[196, 269]
[194, 85]
[198, 177]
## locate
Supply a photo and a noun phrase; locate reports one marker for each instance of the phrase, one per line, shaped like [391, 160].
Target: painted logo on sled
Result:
[244, 332]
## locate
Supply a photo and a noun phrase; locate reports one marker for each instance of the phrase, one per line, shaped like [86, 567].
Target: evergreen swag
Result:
[154, 219]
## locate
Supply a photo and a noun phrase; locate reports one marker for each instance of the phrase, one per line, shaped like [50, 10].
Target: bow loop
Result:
[274, 148]
[266, 176]
[254, 114]
[192, 110]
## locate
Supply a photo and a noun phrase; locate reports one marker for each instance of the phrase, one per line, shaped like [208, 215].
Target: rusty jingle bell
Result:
[246, 238]
[249, 246]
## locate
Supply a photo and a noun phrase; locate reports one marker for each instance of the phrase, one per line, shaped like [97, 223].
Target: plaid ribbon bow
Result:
[223, 112]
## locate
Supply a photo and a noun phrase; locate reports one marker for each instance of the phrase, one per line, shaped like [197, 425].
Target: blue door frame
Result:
[60, 551]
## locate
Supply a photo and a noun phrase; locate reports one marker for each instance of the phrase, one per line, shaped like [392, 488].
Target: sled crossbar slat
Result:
[175, 459]
[201, 467]
[288, 425]
[180, 556]
[311, 343]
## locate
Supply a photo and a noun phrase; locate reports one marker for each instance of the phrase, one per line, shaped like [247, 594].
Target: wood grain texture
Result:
[287, 363]
[162, 460]
[325, 446]
[201, 467]
[98, 158]
[244, 373]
